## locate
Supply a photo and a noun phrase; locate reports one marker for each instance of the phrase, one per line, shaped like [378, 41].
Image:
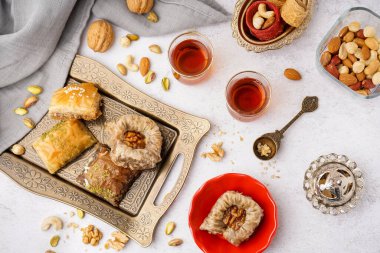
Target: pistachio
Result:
[30, 101]
[122, 69]
[155, 49]
[133, 37]
[170, 226]
[29, 123]
[152, 17]
[125, 42]
[150, 77]
[18, 149]
[165, 83]
[175, 242]
[80, 213]
[35, 89]
[21, 111]
[54, 240]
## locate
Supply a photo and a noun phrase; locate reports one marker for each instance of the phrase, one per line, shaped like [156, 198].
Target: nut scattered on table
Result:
[217, 154]
[152, 17]
[28, 122]
[122, 69]
[91, 235]
[133, 37]
[100, 36]
[170, 226]
[150, 77]
[292, 74]
[35, 89]
[54, 221]
[54, 240]
[30, 101]
[165, 83]
[125, 42]
[117, 242]
[80, 213]
[175, 242]
[155, 49]
[21, 111]
[130, 65]
[18, 149]
[140, 6]
[144, 65]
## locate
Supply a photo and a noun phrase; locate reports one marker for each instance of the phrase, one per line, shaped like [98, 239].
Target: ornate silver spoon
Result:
[267, 146]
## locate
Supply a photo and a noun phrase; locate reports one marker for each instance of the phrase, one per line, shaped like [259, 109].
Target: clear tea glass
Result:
[190, 56]
[248, 94]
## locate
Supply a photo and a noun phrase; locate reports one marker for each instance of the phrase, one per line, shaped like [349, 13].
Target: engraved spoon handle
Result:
[282, 131]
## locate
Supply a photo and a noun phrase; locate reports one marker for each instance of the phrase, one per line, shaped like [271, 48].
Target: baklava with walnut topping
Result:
[235, 216]
[135, 142]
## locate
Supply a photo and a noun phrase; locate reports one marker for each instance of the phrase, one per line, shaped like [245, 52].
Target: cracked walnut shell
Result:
[140, 6]
[100, 36]
[135, 142]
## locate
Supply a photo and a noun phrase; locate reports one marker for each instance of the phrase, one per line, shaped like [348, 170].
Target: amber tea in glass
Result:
[248, 95]
[190, 55]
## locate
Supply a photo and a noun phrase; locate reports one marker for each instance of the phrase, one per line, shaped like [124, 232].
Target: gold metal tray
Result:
[137, 214]
[245, 39]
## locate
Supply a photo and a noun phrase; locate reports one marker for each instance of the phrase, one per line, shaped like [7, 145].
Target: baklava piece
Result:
[235, 216]
[76, 101]
[105, 179]
[135, 142]
[63, 143]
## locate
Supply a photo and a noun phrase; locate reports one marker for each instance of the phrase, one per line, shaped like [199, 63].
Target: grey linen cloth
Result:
[39, 40]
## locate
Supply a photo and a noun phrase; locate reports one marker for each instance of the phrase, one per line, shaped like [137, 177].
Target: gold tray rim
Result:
[274, 44]
[140, 227]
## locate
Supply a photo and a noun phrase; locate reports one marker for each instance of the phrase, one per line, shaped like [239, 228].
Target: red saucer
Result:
[205, 198]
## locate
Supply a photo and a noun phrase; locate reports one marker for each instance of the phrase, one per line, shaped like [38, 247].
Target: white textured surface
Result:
[343, 124]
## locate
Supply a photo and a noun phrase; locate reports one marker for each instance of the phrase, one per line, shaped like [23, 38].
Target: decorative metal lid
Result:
[333, 184]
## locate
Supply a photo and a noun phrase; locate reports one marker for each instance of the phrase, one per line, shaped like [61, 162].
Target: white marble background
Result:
[343, 124]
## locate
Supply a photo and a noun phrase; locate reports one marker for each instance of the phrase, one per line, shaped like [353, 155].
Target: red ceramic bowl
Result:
[205, 198]
[266, 34]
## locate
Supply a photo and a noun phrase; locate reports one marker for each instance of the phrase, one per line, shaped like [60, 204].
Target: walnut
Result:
[134, 139]
[140, 6]
[91, 235]
[264, 150]
[217, 154]
[234, 217]
[100, 36]
[118, 241]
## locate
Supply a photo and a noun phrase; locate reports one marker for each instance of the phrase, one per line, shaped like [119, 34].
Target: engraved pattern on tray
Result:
[111, 109]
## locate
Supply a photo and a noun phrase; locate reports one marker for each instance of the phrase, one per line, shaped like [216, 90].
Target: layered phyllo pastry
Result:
[135, 142]
[104, 178]
[63, 143]
[76, 101]
[234, 216]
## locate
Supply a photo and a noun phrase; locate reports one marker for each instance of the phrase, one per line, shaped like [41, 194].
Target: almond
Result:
[348, 79]
[349, 37]
[269, 22]
[366, 52]
[292, 74]
[343, 31]
[144, 66]
[30, 101]
[334, 45]
[360, 76]
[325, 58]
[347, 62]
